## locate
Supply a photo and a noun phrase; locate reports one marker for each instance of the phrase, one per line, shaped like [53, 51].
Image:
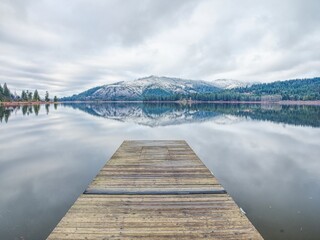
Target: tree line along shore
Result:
[26, 96]
[298, 91]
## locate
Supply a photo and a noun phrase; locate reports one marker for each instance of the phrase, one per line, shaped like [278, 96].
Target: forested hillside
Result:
[299, 89]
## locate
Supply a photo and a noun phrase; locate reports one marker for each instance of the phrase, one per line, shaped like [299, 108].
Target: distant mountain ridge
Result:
[231, 83]
[154, 88]
[145, 88]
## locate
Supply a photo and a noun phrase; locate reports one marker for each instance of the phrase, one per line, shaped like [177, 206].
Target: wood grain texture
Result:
[169, 169]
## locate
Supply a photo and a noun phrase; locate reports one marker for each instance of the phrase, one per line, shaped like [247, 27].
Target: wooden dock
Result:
[154, 190]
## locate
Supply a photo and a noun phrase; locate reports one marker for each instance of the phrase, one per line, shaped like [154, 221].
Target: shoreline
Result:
[287, 102]
[16, 104]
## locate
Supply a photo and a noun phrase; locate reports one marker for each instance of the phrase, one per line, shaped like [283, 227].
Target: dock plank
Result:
[154, 190]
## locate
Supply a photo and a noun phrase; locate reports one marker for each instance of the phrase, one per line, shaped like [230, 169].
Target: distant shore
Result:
[14, 104]
[314, 103]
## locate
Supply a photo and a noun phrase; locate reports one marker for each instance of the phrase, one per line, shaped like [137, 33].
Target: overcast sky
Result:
[67, 46]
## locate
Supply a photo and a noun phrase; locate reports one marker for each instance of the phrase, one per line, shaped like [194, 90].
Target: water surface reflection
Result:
[265, 156]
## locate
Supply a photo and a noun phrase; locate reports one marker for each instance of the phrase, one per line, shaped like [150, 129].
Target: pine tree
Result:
[55, 99]
[36, 96]
[6, 92]
[24, 96]
[1, 93]
[47, 97]
[30, 96]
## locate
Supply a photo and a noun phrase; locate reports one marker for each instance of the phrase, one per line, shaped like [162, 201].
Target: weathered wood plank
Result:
[154, 190]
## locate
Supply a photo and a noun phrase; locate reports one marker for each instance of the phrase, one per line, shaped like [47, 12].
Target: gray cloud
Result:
[69, 46]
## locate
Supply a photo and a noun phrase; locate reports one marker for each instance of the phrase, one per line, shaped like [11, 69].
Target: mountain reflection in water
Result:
[265, 156]
[164, 114]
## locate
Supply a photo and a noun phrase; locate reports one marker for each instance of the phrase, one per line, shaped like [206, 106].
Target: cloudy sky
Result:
[69, 46]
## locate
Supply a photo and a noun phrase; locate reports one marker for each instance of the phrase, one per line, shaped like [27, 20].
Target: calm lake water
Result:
[266, 156]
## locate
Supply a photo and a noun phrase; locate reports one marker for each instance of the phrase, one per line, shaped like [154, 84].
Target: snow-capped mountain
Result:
[230, 83]
[146, 88]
